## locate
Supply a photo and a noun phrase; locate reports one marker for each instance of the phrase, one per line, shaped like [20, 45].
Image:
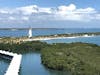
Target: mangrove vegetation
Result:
[23, 47]
[78, 58]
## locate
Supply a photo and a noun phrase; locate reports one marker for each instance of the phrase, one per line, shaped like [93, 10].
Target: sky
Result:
[50, 13]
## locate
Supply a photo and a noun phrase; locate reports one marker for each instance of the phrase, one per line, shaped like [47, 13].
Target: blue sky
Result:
[50, 3]
[50, 13]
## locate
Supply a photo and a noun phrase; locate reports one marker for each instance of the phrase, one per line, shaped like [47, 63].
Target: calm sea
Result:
[36, 32]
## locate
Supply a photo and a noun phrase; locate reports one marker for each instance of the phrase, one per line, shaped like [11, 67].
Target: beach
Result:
[50, 38]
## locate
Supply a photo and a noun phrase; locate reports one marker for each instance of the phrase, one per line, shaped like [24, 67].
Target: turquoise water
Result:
[3, 65]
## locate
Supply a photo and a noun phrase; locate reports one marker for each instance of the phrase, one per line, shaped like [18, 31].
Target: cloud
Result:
[34, 13]
[25, 18]
[2, 11]
[27, 10]
[72, 13]
[66, 9]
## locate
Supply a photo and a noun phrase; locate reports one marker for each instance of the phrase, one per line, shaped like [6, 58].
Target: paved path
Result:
[14, 66]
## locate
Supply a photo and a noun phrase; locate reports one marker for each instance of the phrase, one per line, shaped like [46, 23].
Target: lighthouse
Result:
[30, 33]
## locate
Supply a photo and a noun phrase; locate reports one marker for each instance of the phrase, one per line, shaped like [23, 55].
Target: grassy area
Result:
[78, 58]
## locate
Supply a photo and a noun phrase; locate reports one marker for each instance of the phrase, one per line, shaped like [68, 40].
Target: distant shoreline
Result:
[61, 36]
[52, 38]
[47, 37]
[27, 28]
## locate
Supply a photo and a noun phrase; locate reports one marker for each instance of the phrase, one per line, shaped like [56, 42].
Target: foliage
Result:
[23, 47]
[78, 58]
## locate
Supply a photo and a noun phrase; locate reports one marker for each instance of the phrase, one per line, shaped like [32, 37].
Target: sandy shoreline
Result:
[51, 38]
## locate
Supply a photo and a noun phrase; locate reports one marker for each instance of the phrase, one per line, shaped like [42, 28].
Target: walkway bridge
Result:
[14, 66]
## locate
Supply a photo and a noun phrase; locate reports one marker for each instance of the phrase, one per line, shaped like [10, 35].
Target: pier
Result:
[14, 66]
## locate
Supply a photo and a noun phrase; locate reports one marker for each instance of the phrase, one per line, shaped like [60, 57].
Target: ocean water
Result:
[37, 32]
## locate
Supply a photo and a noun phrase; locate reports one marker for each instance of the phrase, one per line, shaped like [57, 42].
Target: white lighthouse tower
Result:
[30, 33]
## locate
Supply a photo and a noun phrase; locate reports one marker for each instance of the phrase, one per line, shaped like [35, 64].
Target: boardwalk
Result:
[14, 66]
